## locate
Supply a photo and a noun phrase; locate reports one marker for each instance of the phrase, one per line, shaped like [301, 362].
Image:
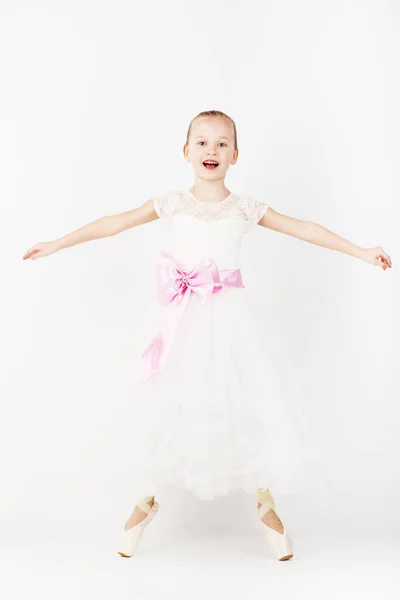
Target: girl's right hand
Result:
[41, 249]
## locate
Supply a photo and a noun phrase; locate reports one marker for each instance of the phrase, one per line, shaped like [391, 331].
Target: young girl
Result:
[206, 401]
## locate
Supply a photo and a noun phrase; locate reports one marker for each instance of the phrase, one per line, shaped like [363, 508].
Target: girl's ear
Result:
[235, 156]
[185, 153]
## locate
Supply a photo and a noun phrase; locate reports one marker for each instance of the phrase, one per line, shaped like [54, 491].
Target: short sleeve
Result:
[255, 209]
[164, 205]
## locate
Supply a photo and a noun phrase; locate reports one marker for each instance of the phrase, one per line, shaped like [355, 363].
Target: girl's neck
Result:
[209, 191]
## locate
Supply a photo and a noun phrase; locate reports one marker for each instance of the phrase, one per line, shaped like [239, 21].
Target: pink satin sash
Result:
[174, 288]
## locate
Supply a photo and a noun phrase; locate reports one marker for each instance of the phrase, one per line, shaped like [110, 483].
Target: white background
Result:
[96, 100]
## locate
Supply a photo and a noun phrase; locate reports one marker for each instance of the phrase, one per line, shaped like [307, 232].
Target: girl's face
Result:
[211, 139]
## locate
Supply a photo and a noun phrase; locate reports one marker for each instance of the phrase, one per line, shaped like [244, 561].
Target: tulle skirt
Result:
[214, 419]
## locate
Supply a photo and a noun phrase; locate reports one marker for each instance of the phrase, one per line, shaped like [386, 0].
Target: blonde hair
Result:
[213, 113]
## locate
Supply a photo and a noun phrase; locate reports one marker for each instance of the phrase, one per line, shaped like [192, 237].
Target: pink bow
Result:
[174, 288]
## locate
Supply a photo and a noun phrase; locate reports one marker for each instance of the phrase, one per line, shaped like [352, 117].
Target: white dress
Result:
[212, 420]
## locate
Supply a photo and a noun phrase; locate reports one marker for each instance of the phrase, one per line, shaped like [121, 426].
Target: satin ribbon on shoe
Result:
[175, 286]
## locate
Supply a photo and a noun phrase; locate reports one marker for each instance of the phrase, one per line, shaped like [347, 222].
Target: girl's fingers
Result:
[30, 252]
[387, 257]
[387, 260]
[380, 262]
[384, 260]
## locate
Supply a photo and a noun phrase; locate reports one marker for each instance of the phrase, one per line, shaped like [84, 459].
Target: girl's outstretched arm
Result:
[103, 227]
[321, 236]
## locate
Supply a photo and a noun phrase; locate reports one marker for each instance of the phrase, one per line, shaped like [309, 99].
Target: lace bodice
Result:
[198, 230]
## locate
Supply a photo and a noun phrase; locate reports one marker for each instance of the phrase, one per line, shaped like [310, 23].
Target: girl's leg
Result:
[270, 518]
[138, 515]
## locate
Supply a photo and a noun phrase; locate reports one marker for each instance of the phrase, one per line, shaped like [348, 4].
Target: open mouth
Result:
[210, 164]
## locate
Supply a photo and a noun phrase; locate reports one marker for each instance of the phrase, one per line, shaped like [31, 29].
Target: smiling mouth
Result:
[210, 164]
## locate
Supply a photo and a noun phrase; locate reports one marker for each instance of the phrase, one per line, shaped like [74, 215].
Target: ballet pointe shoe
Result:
[280, 543]
[131, 537]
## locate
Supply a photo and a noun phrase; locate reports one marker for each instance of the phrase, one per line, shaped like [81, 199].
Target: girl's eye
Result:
[202, 142]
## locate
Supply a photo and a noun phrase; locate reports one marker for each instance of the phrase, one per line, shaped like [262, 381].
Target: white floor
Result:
[82, 564]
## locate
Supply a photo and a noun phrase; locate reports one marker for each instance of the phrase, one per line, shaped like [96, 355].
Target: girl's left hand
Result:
[377, 256]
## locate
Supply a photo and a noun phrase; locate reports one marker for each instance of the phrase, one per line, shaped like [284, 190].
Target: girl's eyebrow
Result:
[222, 137]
